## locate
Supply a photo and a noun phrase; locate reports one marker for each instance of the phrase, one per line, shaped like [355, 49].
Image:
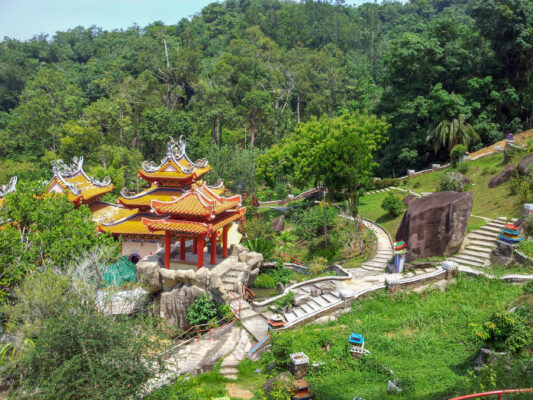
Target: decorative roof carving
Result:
[62, 169]
[104, 182]
[8, 187]
[175, 153]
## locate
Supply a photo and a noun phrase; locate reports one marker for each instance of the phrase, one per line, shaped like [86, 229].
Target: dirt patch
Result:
[237, 392]
[519, 138]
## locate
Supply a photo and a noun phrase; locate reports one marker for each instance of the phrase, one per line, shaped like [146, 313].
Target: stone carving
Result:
[60, 168]
[502, 177]
[104, 182]
[435, 225]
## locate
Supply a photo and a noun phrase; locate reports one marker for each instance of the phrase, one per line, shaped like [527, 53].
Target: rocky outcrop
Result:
[502, 177]
[502, 254]
[525, 167]
[148, 274]
[410, 198]
[174, 303]
[435, 225]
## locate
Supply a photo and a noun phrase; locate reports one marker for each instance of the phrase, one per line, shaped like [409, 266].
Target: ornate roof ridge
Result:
[151, 189]
[175, 153]
[64, 171]
[9, 187]
[117, 222]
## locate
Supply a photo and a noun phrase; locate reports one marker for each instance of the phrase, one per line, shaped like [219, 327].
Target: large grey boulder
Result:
[502, 177]
[148, 275]
[174, 303]
[502, 254]
[168, 278]
[435, 225]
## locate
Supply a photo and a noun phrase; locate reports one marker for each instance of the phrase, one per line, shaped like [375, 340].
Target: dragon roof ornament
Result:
[175, 152]
[61, 169]
[9, 187]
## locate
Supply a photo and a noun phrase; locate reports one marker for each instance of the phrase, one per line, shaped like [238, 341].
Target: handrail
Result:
[247, 294]
[498, 393]
[286, 256]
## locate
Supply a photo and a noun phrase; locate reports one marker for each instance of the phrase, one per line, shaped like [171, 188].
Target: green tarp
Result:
[119, 273]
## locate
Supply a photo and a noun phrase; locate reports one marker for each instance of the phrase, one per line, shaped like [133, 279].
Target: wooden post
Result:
[200, 251]
[213, 248]
[182, 247]
[225, 241]
[167, 249]
[194, 246]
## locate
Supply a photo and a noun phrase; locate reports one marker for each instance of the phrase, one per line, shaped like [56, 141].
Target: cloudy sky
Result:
[22, 19]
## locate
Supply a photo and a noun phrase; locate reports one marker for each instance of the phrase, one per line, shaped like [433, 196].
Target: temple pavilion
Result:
[10, 187]
[178, 205]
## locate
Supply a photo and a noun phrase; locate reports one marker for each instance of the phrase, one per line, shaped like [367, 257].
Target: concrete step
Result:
[307, 308]
[289, 317]
[248, 313]
[314, 305]
[374, 263]
[480, 243]
[469, 257]
[320, 301]
[482, 249]
[496, 224]
[488, 228]
[462, 261]
[486, 232]
[330, 298]
[483, 237]
[474, 253]
[298, 312]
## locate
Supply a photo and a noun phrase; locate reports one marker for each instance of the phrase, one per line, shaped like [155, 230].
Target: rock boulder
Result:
[278, 224]
[525, 167]
[148, 275]
[410, 198]
[435, 225]
[502, 177]
[174, 303]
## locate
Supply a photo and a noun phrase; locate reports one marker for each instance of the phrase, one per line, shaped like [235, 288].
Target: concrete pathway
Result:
[384, 250]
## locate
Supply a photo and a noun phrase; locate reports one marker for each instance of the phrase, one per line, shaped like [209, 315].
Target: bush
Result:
[282, 274]
[522, 186]
[265, 281]
[504, 332]
[202, 310]
[281, 348]
[309, 223]
[457, 153]
[318, 266]
[451, 182]
[386, 182]
[528, 288]
[393, 205]
[261, 245]
[526, 247]
[463, 167]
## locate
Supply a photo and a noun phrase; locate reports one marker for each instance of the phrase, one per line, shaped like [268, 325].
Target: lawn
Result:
[492, 203]
[425, 338]
[370, 207]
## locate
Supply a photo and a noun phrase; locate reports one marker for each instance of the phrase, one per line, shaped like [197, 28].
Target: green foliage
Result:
[522, 186]
[526, 247]
[309, 222]
[282, 347]
[261, 245]
[318, 266]
[457, 154]
[283, 302]
[504, 332]
[265, 281]
[202, 310]
[185, 388]
[450, 182]
[282, 274]
[462, 167]
[384, 183]
[449, 132]
[528, 288]
[393, 205]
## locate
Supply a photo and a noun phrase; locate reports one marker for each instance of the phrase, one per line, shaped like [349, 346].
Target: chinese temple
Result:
[177, 205]
[10, 187]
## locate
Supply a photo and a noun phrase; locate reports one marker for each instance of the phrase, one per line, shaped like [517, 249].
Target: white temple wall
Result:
[140, 248]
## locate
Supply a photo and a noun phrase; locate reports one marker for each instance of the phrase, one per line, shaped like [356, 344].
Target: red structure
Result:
[498, 393]
[199, 214]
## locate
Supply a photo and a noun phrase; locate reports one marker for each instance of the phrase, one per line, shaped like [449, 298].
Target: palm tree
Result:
[450, 132]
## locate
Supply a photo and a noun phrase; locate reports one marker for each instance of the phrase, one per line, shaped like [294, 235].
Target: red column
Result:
[194, 246]
[200, 251]
[182, 247]
[167, 249]
[225, 241]
[213, 248]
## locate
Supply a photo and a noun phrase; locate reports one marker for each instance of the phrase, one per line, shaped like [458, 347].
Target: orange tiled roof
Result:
[75, 183]
[131, 225]
[143, 199]
[200, 201]
[108, 213]
[193, 227]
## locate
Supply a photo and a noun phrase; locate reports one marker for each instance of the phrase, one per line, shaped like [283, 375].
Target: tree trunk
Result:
[298, 109]
[325, 222]
[252, 129]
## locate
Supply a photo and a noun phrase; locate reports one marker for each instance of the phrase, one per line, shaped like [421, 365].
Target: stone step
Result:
[494, 224]
[298, 312]
[481, 244]
[381, 258]
[462, 261]
[486, 233]
[289, 317]
[379, 264]
[247, 313]
[320, 301]
[307, 308]
[482, 249]
[330, 298]
[314, 305]
[488, 228]
[469, 257]
[482, 236]
[478, 254]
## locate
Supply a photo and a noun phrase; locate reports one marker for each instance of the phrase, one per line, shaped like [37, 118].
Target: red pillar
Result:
[213, 248]
[167, 249]
[182, 247]
[200, 251]
[225, 241]
[194, 246]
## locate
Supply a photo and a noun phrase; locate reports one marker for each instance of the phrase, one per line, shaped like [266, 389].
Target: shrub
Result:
[450, 182]
[261, 245]
[504, 332]
[202, 310]
[385, 182]
[463, 167]
[281, 348]
[265, 281]
[393, 205]
[522, 186]
[528, 288]
[309, 223]
[282, 274]
[318, 266]
[526, 247]
[457, 153]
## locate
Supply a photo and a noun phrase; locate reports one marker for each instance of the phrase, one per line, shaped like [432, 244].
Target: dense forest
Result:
[241, 74]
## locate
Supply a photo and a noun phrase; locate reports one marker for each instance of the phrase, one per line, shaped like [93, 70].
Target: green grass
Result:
[492, 203]
[474, 223]
[425, 338]
[370, 207]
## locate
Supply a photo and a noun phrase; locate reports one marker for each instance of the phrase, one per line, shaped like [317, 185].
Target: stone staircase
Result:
[384, 250]
[479, 244]
[253, 322]
[312, 307]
